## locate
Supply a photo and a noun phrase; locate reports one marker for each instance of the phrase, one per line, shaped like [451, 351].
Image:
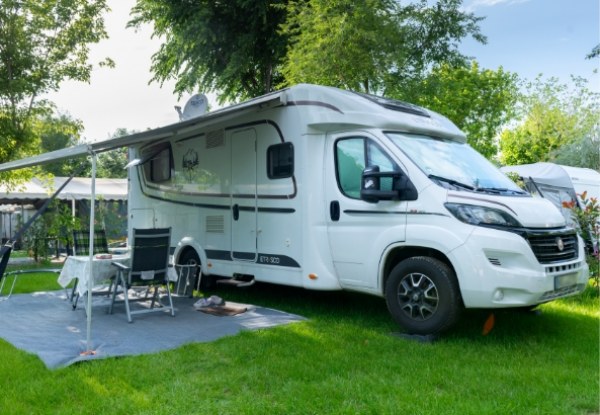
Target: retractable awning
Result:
[180, 128]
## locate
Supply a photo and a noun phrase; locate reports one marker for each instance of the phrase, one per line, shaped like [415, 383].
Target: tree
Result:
[372, 46]
[42, 43]
[594, 53]
[111, 164]
[345, 44]
[58, 132]
[551, 116]
[583, 152]
[478, 101]
[241, 49]
[233, 47]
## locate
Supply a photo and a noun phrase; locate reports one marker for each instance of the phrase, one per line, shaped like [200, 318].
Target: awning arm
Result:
[65, 153]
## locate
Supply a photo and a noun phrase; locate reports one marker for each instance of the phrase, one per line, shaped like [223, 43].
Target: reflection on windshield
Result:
[454, 165]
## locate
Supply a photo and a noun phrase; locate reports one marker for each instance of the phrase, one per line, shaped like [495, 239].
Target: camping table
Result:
[79, 267]
[76, 266]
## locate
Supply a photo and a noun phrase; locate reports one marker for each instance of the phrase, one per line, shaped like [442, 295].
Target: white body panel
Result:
[224, 198]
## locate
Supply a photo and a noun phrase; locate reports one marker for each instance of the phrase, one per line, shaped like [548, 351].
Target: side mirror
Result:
[370, 179]
[370, 189]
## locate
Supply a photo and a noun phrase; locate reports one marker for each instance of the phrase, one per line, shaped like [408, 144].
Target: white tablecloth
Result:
[79, 267]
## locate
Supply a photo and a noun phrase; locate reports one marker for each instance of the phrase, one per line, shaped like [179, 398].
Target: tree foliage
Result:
[583, 152]
[243, 48]
[58, 132]
[595, 52]
[42, 43]
[375, 45]
[111, 164]
[478, 101]
[233, 47]
[552, 117]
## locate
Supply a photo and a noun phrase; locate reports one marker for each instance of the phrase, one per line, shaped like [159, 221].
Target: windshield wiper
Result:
[452, 182]
[500, 190]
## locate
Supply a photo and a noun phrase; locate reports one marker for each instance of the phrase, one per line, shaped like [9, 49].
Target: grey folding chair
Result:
[150, 251]
[81, 247]
[7, 249]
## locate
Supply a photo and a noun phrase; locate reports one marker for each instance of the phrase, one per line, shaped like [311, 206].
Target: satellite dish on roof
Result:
[194, 107]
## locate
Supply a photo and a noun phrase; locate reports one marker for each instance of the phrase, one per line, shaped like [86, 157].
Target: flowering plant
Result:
[587, 219]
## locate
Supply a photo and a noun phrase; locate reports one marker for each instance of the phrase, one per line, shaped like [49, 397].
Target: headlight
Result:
[481, 215]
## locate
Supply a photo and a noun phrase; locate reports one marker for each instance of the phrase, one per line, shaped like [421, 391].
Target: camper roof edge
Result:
[159, 133]
[150, 135]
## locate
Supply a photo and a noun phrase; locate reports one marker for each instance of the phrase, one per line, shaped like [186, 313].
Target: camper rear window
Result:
[158, 168]
[280, 161]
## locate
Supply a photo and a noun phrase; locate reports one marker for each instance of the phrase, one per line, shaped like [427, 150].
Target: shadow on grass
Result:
[361, 310]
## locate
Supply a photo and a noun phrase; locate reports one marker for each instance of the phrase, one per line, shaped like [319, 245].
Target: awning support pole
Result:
[91, 258]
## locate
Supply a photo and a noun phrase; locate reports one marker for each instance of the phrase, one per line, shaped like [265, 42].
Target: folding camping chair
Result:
[81, 247]
[7, 249]
[149, 267]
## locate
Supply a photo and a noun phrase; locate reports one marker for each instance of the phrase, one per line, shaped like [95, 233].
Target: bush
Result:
[587, 220]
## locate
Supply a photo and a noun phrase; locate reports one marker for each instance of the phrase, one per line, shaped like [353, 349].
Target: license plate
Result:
[565, 281]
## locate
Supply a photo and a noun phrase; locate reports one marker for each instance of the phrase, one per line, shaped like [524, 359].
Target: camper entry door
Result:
[243, 195]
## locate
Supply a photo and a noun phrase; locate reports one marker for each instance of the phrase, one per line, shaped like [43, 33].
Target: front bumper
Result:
[502, 271]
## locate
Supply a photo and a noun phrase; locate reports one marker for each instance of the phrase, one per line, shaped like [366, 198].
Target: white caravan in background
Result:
[326, 189]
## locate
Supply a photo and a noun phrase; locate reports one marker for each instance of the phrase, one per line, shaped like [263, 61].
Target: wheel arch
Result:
[189, 245]
[399, 253]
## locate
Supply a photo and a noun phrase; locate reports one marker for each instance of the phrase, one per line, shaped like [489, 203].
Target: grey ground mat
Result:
[44, 324]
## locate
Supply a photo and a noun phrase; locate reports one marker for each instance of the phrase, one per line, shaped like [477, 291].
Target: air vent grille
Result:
[215, 139]
[495, 261]
[215, 224]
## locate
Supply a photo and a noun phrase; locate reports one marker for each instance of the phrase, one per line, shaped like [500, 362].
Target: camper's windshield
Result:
[454, 165]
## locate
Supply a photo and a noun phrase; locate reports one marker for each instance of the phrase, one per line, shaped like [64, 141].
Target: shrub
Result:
[587, 220]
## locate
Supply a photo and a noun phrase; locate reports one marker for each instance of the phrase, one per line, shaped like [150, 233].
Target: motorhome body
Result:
[326, 189]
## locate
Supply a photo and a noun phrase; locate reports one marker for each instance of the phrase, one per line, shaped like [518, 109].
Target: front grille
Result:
[553, 247]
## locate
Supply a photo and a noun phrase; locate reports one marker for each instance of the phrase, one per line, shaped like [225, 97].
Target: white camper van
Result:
[326, 189]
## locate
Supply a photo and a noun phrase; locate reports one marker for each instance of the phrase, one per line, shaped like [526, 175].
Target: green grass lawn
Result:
[344, 360]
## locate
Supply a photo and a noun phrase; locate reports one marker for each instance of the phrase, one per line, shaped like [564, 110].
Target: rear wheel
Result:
[422, 295]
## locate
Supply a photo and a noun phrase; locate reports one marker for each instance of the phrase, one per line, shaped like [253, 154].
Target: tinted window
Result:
[280, 161]
[158, 163]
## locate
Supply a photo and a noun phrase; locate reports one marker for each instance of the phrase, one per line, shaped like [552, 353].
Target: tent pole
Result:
[91, 258]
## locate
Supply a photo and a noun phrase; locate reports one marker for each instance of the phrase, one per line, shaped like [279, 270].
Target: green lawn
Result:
[344, 360]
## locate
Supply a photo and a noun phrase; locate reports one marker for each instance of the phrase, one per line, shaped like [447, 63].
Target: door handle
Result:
[334, 210]
[236, 212]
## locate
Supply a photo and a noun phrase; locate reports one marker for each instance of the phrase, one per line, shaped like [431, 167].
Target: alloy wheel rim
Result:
[418, 296]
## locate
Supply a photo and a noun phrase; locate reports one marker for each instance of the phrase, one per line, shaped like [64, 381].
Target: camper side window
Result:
[158, 168]
[352, 156]
[280, 161]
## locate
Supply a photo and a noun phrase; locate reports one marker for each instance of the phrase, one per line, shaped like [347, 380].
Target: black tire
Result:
[422, 295]
[190, 257]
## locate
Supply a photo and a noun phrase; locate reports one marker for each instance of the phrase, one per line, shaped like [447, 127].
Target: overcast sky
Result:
[528, 37]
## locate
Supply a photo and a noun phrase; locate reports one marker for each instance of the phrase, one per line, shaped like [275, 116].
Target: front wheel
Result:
[422, 295]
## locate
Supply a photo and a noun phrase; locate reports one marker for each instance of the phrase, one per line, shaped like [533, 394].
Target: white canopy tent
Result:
[32, 194]
[77, 189]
